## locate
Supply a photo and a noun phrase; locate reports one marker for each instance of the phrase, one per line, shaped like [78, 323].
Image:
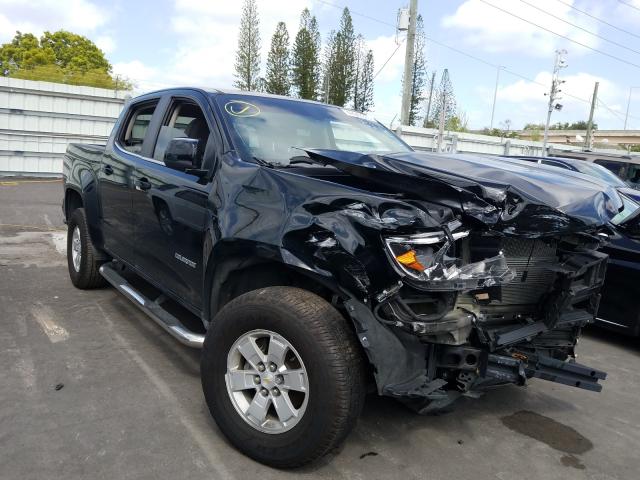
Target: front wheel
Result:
[282, 375]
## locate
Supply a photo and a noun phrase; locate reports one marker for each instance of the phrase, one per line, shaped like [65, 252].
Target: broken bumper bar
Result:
[514, 370]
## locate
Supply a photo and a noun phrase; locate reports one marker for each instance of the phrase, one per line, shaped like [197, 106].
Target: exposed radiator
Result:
[530, 256]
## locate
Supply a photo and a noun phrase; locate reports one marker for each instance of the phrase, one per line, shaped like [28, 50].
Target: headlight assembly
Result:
[431, 259]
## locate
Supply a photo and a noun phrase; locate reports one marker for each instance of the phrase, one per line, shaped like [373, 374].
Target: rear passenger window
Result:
[134, 132]
[615, 167]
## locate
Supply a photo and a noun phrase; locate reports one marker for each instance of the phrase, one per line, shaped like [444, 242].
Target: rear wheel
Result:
[282, 375]
[82, 258]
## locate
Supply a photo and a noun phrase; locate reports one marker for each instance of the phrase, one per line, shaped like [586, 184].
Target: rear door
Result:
[170, 204]
[116, 177]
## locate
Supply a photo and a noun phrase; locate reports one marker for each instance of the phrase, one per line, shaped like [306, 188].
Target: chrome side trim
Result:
[163, 318]
[611, 323]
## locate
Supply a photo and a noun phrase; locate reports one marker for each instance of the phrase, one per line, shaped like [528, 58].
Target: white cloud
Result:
[496, 31]
[106, 43]
[79, 16]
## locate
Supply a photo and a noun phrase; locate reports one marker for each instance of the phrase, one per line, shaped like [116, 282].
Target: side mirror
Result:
[180, 153]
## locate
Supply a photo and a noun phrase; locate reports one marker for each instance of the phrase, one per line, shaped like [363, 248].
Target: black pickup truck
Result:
[313, 255]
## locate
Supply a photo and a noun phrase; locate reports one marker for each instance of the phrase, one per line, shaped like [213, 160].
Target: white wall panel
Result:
[39, 119]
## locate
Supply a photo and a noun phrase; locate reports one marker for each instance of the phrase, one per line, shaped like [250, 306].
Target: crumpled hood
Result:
[505, 196]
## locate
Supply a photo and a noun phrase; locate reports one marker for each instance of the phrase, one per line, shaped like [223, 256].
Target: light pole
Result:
[495, 94]
[559, 63]
[626, 117]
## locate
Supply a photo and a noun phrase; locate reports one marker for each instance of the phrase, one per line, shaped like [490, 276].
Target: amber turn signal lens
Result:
[409, 260]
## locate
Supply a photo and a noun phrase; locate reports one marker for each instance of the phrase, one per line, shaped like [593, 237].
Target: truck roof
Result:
[231, 91]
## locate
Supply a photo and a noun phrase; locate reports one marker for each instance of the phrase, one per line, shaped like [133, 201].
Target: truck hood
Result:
[509, 197]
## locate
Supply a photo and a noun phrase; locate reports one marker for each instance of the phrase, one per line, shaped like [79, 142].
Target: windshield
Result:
[274, 129]
[599, 172]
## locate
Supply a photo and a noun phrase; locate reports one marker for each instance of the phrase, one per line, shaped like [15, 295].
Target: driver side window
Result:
[183, 137]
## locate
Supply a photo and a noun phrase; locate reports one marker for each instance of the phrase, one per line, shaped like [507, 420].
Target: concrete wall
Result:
[38, 119]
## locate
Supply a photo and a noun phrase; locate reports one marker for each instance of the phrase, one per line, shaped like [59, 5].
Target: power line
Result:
[562, 36]
[629, 5]
[614, 112]
[474, 57]
[598, 19]
[581, 28]
[373, 19]
[515, 74]
[388, 59]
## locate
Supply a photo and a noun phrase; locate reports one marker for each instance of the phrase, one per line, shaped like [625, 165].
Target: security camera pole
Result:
[553, 94]
[408, 63]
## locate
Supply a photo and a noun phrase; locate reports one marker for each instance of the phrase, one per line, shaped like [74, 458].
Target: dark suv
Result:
[311, 254]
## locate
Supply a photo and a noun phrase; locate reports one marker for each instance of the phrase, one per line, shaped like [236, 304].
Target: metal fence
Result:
[459, 142]
[39, 119]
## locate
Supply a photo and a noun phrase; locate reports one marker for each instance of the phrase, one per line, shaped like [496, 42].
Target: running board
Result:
[152, 308]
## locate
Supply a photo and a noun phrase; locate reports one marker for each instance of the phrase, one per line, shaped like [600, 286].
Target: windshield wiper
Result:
[264, 163]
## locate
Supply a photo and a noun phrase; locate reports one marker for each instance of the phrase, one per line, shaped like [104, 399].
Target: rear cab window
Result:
[134, 131]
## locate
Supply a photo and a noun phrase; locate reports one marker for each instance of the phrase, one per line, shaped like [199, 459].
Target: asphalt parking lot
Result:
[91, 388]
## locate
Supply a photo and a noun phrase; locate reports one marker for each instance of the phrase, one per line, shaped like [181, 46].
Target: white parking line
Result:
[201, 435]
[44, 317]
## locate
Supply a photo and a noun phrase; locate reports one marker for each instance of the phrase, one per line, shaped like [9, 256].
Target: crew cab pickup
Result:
[312, 255]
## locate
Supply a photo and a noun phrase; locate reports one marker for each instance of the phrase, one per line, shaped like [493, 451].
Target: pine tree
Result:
[247, 67]
[339, 67]
[305, 61]
[444, 99]
[366, 84]
[419, 74]
[327, 61]
[277, 79]
[363, 77]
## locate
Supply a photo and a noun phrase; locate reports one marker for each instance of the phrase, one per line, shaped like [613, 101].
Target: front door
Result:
[170, 207]
[116, 177]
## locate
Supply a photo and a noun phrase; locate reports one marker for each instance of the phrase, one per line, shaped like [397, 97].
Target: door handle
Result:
[142, 184]
[107, 169]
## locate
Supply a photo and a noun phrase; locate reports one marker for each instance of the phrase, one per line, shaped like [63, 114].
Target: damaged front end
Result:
[472, 306]
[488, 310]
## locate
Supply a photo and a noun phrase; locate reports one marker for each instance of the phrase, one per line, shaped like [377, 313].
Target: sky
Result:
[193, 42]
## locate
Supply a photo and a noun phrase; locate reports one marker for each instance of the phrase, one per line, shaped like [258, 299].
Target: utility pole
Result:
[626, 117]
[589, 140]
[495, 94]
[559, 63]
[433, 81]
[443, 115]
[408, 63]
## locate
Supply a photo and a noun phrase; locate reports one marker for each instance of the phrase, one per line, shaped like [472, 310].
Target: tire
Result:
[329, 353]
[84, 274]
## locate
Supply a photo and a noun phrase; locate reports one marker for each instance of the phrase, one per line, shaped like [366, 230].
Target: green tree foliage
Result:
[62, 57]
[305, 62]
[457, 123]
[499, 132]
[277, 80]
[579, 125]
[339, 65]
[363, 81]
[419, 80]
[444, 99]
[247, 66]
